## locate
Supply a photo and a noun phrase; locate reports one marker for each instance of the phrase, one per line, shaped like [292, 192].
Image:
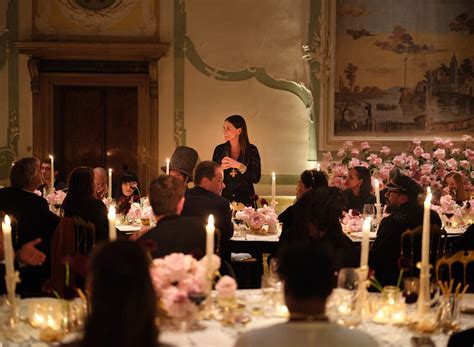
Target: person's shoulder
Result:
[252, 147]
[261, 336]
[220, 147]
[345, 336]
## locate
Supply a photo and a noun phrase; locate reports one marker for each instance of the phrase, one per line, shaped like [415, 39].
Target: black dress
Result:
[91, 210]
[238, 186]
[352, 202]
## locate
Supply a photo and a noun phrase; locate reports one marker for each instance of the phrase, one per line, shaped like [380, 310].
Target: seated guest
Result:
[307, 272]
[358, 189]
[81, 201]
[205, 199]
[100, 182]
[463, 338]
[309, 180]
[129, 192]
[454, 183]
[45, 169]
[120, 270]
[35, 222]
[182, 164]
[316, 220]
[173, 233]
[465, 242]
[405, 213]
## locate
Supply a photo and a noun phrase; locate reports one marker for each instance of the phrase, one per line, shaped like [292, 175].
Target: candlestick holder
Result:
[12, 301]
[362, 306]
[378, 208]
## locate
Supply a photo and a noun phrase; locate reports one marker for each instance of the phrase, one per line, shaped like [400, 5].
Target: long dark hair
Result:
[123, 301]
[363, 174]
[314, 179]
[81, 184]
[239, 123]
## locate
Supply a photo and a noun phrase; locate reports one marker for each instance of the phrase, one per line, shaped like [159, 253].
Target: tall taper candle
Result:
[167, 166]
[377, 191]
[111, 218]
[51, 188]
[109, 190]
[364, 249]
[425, 241]
[210, 229]
[7, 246]
[318, 167]
[273, 203]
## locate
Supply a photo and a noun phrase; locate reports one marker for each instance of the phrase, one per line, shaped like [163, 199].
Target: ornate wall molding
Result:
[248, 72]
[101, 21]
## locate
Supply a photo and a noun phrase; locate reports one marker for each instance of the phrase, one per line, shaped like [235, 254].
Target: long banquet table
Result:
[214, 334]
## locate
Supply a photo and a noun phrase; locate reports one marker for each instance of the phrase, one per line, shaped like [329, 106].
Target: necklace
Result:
[303, 317]
[233, 173]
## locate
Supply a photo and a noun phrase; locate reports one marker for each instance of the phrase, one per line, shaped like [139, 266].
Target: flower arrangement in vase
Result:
[257, 219]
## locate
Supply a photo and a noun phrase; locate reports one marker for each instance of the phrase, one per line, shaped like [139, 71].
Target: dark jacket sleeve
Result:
[253, 172]
[226, 226]
[101, 222]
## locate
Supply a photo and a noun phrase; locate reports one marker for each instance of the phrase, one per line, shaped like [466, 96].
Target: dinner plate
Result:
[128, 228]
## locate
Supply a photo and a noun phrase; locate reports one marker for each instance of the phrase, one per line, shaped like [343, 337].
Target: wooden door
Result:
[96, 126]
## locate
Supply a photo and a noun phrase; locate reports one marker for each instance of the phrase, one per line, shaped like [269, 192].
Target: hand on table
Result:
[29, 255]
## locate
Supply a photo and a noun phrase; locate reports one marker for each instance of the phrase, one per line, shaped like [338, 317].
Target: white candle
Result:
[109, 192]
[111, 218]
[273, 190]
[167, 166]
[8, 247]
[425, 241]
[318, 167]
[210, 229]
[51, 188]
[377, 191]
[364, 249]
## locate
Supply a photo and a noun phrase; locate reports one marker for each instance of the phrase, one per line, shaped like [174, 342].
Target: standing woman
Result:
[240, 161]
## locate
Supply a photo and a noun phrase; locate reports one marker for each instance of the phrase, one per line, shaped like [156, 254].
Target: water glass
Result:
[348, 278]
[411, 287]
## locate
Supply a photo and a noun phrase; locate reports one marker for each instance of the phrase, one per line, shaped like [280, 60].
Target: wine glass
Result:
[348, 278]
[368, 210]
[411, 287]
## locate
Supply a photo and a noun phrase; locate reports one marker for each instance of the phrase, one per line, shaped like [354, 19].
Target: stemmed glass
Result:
[368, 210]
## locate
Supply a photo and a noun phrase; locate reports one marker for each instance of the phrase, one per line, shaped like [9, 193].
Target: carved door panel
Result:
[95, 126]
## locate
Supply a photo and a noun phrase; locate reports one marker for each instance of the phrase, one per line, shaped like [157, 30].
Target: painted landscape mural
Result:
[401, 72]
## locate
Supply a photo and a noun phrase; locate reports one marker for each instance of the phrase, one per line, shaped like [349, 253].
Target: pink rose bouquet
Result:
[56, 198]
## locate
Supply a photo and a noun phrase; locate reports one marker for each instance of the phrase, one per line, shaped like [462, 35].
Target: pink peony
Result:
[135, 211]
[465, 164]
[399, 160]
[354, 162]
[56, 197]
[226, 287]
[355, 152]
[438, 142]
[426, 169]
[364, 146]
[179, 265]
[339, 171]
[447, 143]
[385, 150]
[339, 182]
[341, 153]
[257, 220]
[452, 164]
[348, 145]
[416, 142]
[418, 151]
[469, 153]
[456, 151]
[176, 302]
[426, 156]
[466, 138]
[439, 153]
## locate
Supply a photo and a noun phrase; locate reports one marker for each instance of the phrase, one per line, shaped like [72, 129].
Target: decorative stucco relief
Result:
[101, 22]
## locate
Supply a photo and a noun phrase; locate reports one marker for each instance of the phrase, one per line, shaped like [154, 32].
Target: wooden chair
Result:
[411, 241]
[75, 238]
[459, 267]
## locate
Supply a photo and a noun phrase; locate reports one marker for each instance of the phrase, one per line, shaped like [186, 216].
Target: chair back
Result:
[457, 267]
[411, 243]
[73, 238]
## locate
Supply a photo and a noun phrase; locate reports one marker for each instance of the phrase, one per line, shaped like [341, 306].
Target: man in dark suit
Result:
[35, 224]
[173, 233]
[205, 199]
[405, 213]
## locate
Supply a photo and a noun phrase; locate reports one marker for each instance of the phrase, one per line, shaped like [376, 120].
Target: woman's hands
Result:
[229, 163]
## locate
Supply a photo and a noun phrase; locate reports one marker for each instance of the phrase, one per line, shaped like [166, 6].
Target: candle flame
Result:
[428, 196]
[376, 182]
[366, 225]
[111, 212]
[51, 157]
[210, 220]
[7, 220]
[273, 175]
[110, 171]
[167, 160]
[318, 168]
